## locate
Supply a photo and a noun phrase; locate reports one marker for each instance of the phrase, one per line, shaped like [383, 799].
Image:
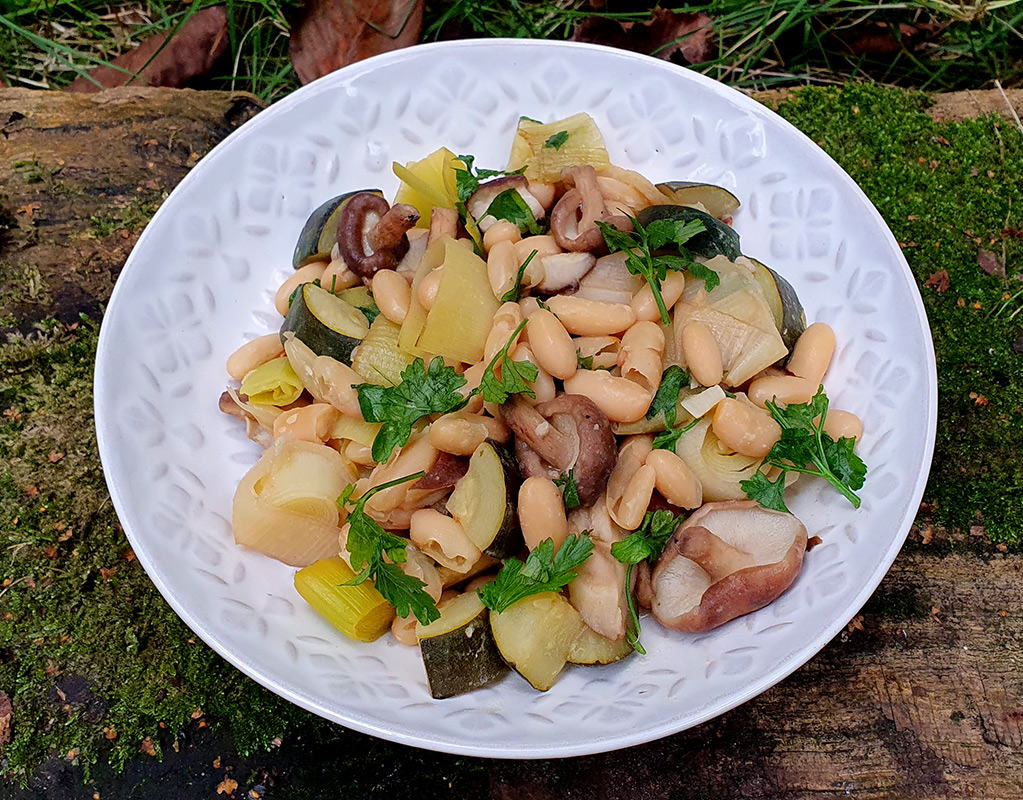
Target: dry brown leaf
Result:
[939, 280]
[664, 35]
[6, 710]
[54, 457]
[880, 38]
[990, 263]
[227, 786]
[148, 747]
[328, 34]
[190, 54]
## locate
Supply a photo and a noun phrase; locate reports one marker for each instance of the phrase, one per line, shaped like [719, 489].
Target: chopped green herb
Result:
[370, 312]
[513, 294]
[704, 273]
[509, 205]
[515, 375]
[370, 547]
[530, 119]
[422, 391]
[557, 140]
[647, 542]
[569, 490]
[640, 244]
[583, 362]
[544, 571]
[667, 440]
[804, 447]
[666, 399]
[468, 180]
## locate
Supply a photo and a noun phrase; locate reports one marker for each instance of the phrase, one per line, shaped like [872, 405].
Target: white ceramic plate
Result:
[201, 281]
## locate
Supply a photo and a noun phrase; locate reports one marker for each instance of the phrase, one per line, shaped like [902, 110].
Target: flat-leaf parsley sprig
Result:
[370, 547]
[544, 571]
[804, 447]
[641, 243]
[515, 375]
[647, 542]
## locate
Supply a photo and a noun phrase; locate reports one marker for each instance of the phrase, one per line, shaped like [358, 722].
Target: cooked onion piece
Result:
[719, 470]
[286, 505]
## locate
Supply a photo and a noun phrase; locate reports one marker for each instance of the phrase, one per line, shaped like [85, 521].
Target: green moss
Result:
[132, 217]
[77, 610]
[948, 190]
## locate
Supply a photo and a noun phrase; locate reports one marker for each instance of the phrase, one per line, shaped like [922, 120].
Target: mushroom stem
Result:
[388, 232]
[443, 222]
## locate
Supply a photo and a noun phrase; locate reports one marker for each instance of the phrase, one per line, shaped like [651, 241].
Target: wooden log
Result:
[79, 178]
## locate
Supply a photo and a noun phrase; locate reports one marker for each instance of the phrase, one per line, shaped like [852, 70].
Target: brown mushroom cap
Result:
[371, 234]
[574, 217]
[566, 433]
[728, 559]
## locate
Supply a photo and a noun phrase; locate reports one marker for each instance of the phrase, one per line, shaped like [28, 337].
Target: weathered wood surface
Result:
[921, 698]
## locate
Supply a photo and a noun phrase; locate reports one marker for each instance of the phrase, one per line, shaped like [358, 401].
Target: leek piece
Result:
[359, 612]
[272, 384]
[415, 319]
[356, 429]
[427, 183]
[721, 472]
[379, 359]
[463, 311]
[583, 145]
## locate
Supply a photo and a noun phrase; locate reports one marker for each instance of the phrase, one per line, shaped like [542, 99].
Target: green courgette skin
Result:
[318, 337]
[717, 240]
[320, 231]
[508, 541]
[462, 660]
[718, 201]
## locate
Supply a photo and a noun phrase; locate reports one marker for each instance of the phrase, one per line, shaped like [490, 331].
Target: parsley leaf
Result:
[557, 140]
[370, 546]
[648, 541]
[515, 375]
[509, 205]
[768, 494]
[666, 440]
[704, 273]
[583, 362]
[513, 294]
[420, 392]
[544, 571]
[468, 180]
[370, 312]
[642, 241]
[569, 490]
[530, 119]
[666, 399]
[804, 447]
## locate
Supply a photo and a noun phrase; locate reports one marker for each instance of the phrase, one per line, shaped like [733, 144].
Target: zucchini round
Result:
[535, 636]
[319, 234]
[325, 324]
[719, 202]
[484, 500]
[458, 649]
[786, 309]
[592, 648]
[717, 240]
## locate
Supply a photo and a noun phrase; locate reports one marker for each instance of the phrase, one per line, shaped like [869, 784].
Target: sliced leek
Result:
[359, 612]
[272, 384]
[579, 142]
[379, 359]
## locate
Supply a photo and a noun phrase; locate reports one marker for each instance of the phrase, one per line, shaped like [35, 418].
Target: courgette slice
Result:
[484, 501]
[362, 298]
[458, 649]
[590, 647]
[319, 234]
[786, 309]
[717, 201]
[717, 240]
[326, 324]
[535, 636]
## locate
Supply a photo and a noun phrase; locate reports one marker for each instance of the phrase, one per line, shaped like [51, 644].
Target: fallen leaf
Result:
[227, 786]
[55, 457]
[1002, 548]
[990, 263]
[978, 399]
[1015, 233]
[28, 209]
[189, 54]
[31, 491]
[6, 710]
[855, 624]
[329, 35]
[196, 713]
[12, 414]
[108, 573]
[939, 280]
[926, 535]
[110, 733]
[664, 35]
[128, 555]
[147, 747]
[882, 38]
[941, 140]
